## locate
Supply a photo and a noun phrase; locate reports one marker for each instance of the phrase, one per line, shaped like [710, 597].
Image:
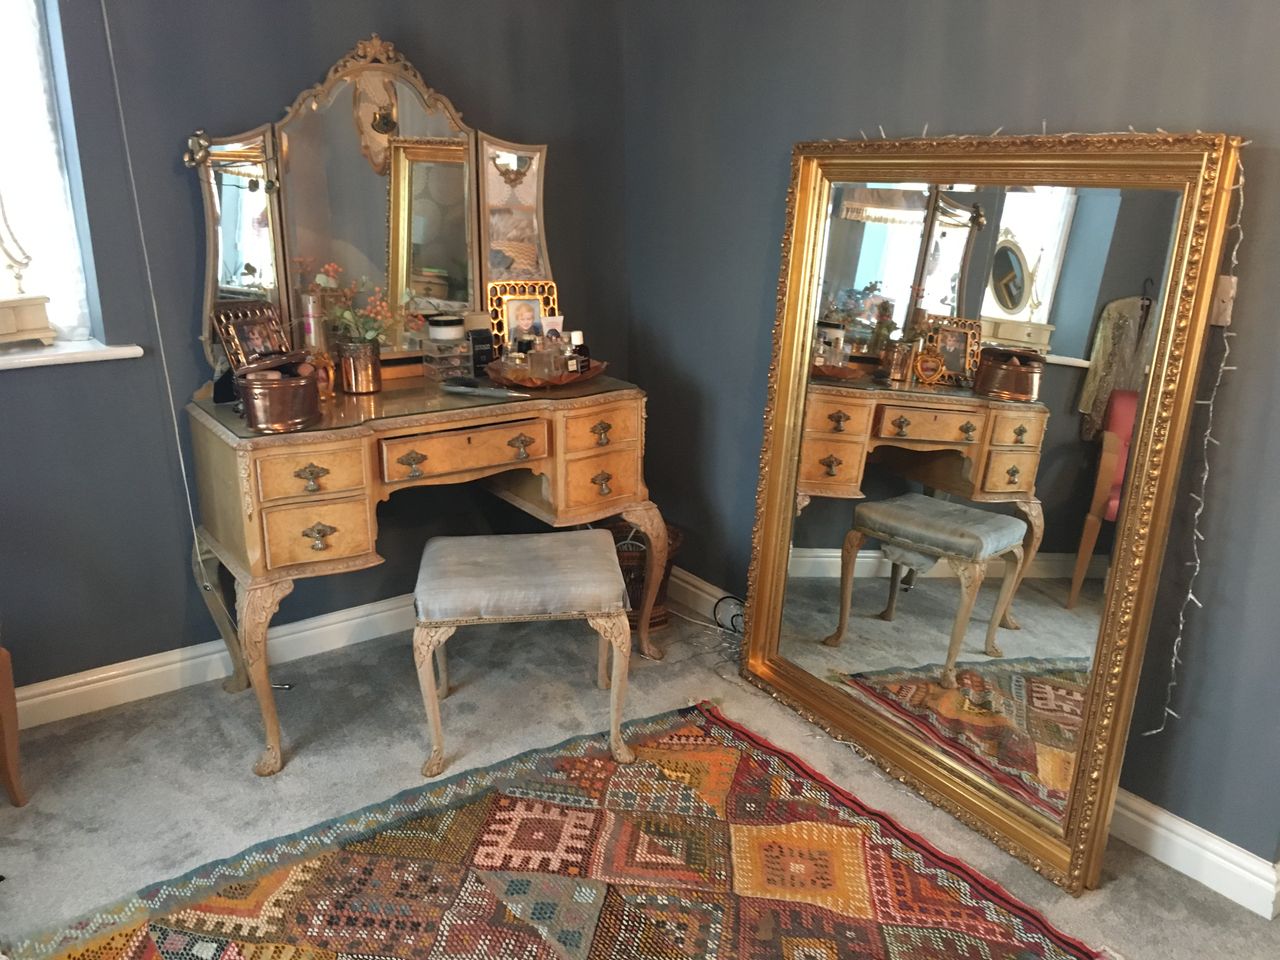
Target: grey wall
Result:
[95, 543]
[717, 92]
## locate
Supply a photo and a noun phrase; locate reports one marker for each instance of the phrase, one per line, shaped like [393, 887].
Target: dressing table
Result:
[371, 173]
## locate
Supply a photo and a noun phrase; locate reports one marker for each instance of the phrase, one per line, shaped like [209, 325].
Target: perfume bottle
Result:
[542, 363]
[579, 345]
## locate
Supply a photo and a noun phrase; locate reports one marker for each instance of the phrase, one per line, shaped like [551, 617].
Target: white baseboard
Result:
[1232, 871]
[825, 562]
[1237, 874]
[131, 680]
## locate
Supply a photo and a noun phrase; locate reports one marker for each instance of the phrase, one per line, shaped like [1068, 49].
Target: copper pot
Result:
[279, 405]
[1008, 374]
[359, 366]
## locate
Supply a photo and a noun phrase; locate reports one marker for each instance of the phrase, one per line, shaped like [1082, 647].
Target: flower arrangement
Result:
[356, 312]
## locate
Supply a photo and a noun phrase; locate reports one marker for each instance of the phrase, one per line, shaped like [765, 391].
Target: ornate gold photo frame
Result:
[504, 298]
[1201, 169]
[956, 341]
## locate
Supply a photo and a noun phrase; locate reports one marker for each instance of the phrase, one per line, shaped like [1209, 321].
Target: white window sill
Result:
[23, 355]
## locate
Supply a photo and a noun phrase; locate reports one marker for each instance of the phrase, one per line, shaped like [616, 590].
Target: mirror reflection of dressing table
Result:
[372, 174]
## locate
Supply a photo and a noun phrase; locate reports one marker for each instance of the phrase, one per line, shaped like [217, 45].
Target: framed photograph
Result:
[929, 366]
[956, 341]
[250, 330]
[519, 308]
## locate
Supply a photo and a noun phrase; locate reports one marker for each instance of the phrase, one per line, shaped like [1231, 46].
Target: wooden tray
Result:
[495, 373]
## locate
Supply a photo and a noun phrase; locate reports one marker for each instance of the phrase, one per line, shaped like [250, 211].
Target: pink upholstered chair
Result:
[1122, 411]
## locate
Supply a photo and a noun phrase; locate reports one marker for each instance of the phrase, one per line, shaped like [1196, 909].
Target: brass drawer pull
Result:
[1012, 473]
[520, 442]
[317, 532]
[601, 430]
[601, 480]
[901, 423]
[839, 419]
[311, 473]
[831, 461]
[968, 429]
[1020, 433]
[411, 460]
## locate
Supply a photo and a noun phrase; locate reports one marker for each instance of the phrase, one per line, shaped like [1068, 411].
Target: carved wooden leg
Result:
[205, 566]
[802, 501]
[1012, 567]
[9, 733]
[895, 576]
[848, 557]
[426, 640]
[1034, 514]
[970, 575]
[646, 518]
[256, 604]
[1088, 540]
[602, 662]
[442, 669]
[613, 627]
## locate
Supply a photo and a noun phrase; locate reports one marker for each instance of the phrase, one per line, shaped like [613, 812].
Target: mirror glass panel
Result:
[512, 234]
[335, 159]
[1035, 484]
[243, 221]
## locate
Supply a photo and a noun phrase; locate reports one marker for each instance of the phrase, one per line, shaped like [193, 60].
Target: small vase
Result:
[359, 366]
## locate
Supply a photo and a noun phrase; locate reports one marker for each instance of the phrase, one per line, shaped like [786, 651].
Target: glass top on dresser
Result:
[415, 397]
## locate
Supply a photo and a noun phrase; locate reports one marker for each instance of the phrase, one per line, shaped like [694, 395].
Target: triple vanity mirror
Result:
[956, 570]
[375, 172]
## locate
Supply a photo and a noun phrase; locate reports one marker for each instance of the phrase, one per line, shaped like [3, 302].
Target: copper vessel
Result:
[1008, 374]
[279, 405]
[359, 366]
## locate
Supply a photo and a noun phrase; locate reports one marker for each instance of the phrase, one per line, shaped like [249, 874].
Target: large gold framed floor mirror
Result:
[984, 367]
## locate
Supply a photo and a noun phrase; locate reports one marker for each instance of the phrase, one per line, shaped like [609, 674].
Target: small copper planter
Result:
[359, 366]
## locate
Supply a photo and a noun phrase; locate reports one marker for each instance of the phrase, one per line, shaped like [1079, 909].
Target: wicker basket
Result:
[632, 556]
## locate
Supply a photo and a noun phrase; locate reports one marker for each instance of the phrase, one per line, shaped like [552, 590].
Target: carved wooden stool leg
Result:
[442, 671]
[256, 604]
[895, 577]
[970, 574]
[602, 663]
[848, 557]
[613, 627]
[646, 518]
[9, 733]
[426, 639]
[1012, 568]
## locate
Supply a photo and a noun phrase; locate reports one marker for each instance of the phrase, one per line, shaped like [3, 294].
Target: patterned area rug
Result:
[712, 844]
[1016, 722]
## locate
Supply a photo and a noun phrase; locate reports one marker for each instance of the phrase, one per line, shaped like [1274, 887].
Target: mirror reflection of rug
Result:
[712, 844]
[1014, 721]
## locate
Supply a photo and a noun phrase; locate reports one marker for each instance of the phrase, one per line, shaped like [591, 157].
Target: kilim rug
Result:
[1016, 722]
[712, 844]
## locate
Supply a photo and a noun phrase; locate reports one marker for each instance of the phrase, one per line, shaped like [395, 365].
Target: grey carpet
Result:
[145, 791]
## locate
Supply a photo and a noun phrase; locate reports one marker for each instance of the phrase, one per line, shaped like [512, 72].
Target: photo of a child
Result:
[524, 317]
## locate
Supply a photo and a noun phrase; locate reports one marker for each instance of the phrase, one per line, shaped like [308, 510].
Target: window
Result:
[33, 180]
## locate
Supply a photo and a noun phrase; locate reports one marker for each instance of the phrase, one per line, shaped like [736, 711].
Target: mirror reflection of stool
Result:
[916, 532]
[9, 733]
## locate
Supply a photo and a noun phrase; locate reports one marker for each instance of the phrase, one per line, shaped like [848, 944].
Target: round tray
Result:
[595, 368]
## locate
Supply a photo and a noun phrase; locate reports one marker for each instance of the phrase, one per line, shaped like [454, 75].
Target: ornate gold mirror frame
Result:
[1202, 167]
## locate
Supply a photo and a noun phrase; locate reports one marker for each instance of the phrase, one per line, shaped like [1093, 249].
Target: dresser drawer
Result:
[312, 532]
[593, 480]
[918, 423]
[602, 426]
[832, 415]
[1010, 471]
[1017, 430]
[405, 459]
[311, 473]
[831, 464]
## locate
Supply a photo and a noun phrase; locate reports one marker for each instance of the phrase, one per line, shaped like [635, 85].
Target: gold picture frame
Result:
[1202, 168]
[956, 341]
[503, 296]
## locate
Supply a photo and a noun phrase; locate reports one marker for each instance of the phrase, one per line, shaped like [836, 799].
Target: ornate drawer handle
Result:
[520, 441]
[601, 480]
[317, 532]
[411, 460]
[311, 473]
[901, 423]
[968, 429]
[839, 419]
[831, 461]
[1012, 473]
[601, 430]
[1020, 433]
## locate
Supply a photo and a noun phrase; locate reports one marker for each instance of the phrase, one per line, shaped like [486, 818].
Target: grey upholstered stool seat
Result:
[916, 532]
[565, 575]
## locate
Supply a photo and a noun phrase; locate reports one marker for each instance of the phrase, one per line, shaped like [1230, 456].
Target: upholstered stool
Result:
[917, 531]
[566, 575]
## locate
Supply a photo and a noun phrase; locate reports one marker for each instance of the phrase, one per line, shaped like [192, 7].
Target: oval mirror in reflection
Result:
[1009, 276]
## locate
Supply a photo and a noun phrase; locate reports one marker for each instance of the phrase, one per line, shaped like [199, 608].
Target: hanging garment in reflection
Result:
[1121, 346]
